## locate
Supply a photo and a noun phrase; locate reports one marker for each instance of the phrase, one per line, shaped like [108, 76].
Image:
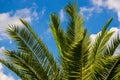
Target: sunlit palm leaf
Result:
[96, 46]
[28, 43]
[112, 45]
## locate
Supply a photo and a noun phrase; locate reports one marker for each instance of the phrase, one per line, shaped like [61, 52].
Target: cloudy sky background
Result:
[36, 12]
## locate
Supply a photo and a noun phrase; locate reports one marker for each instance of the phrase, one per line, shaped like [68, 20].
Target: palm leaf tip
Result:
[55, 20]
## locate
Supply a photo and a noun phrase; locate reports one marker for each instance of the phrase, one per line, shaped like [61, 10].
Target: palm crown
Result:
[80, 58]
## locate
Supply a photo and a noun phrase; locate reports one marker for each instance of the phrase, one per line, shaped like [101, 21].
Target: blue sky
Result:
[36, 12]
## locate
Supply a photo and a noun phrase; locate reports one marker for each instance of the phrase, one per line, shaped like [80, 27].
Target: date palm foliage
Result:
[80, 57]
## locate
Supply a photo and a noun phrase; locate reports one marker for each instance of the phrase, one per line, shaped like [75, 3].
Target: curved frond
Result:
[30, 44]
[98, 45]
[101, 69]
[112, 45]
[75, 27]
[19, 66]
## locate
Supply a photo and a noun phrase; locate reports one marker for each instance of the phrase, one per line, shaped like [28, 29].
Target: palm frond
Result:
[58, 33]
[18, 65]
[41, 44]
[30, 44]
[96, 46]
[77, 59]
[101, 69]
[112, 69]
[75, 27]
[112, 45]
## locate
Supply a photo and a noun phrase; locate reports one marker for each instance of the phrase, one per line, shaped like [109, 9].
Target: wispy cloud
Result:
[4, 76]
[62, 15]
[2, 48]
[3, 36]
[42, 12]
[8, 18]
[109, 4]
[99, 5]
[87, 12]
[26, 13]
[115, 29]
[47, 34]
[98, 2]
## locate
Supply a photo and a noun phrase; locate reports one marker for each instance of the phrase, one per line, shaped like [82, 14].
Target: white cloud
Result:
[2, 48]
[84, 9]
[4, 76]
[10, 42]
[93, 37]
[87, 12]
[3, 36]
[115, 29]
[98, 2]
[27, 13]
[47, 34]
[109, 4]
[42, 12]
[24, 13]
[62, 15]
[6, 19]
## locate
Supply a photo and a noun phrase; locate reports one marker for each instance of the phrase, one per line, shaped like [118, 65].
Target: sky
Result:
[37, 13]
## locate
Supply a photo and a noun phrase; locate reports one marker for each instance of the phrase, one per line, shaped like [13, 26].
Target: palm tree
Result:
[80, 58]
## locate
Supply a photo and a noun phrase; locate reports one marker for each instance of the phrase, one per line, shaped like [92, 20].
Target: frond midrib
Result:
[45, 76]
[110, 71]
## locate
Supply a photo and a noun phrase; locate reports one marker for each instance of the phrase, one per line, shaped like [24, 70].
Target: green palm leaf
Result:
[96, 46]
[28, 43]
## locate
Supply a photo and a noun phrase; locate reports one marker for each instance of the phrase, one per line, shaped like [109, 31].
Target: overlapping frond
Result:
[112, 69]
[22, 63]
[75, 25]
[102, 69]
[99, 64]
[58, 33]
[72, 44]
[77, 59]
[112, 45]
[31, 44]
[99, 43]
